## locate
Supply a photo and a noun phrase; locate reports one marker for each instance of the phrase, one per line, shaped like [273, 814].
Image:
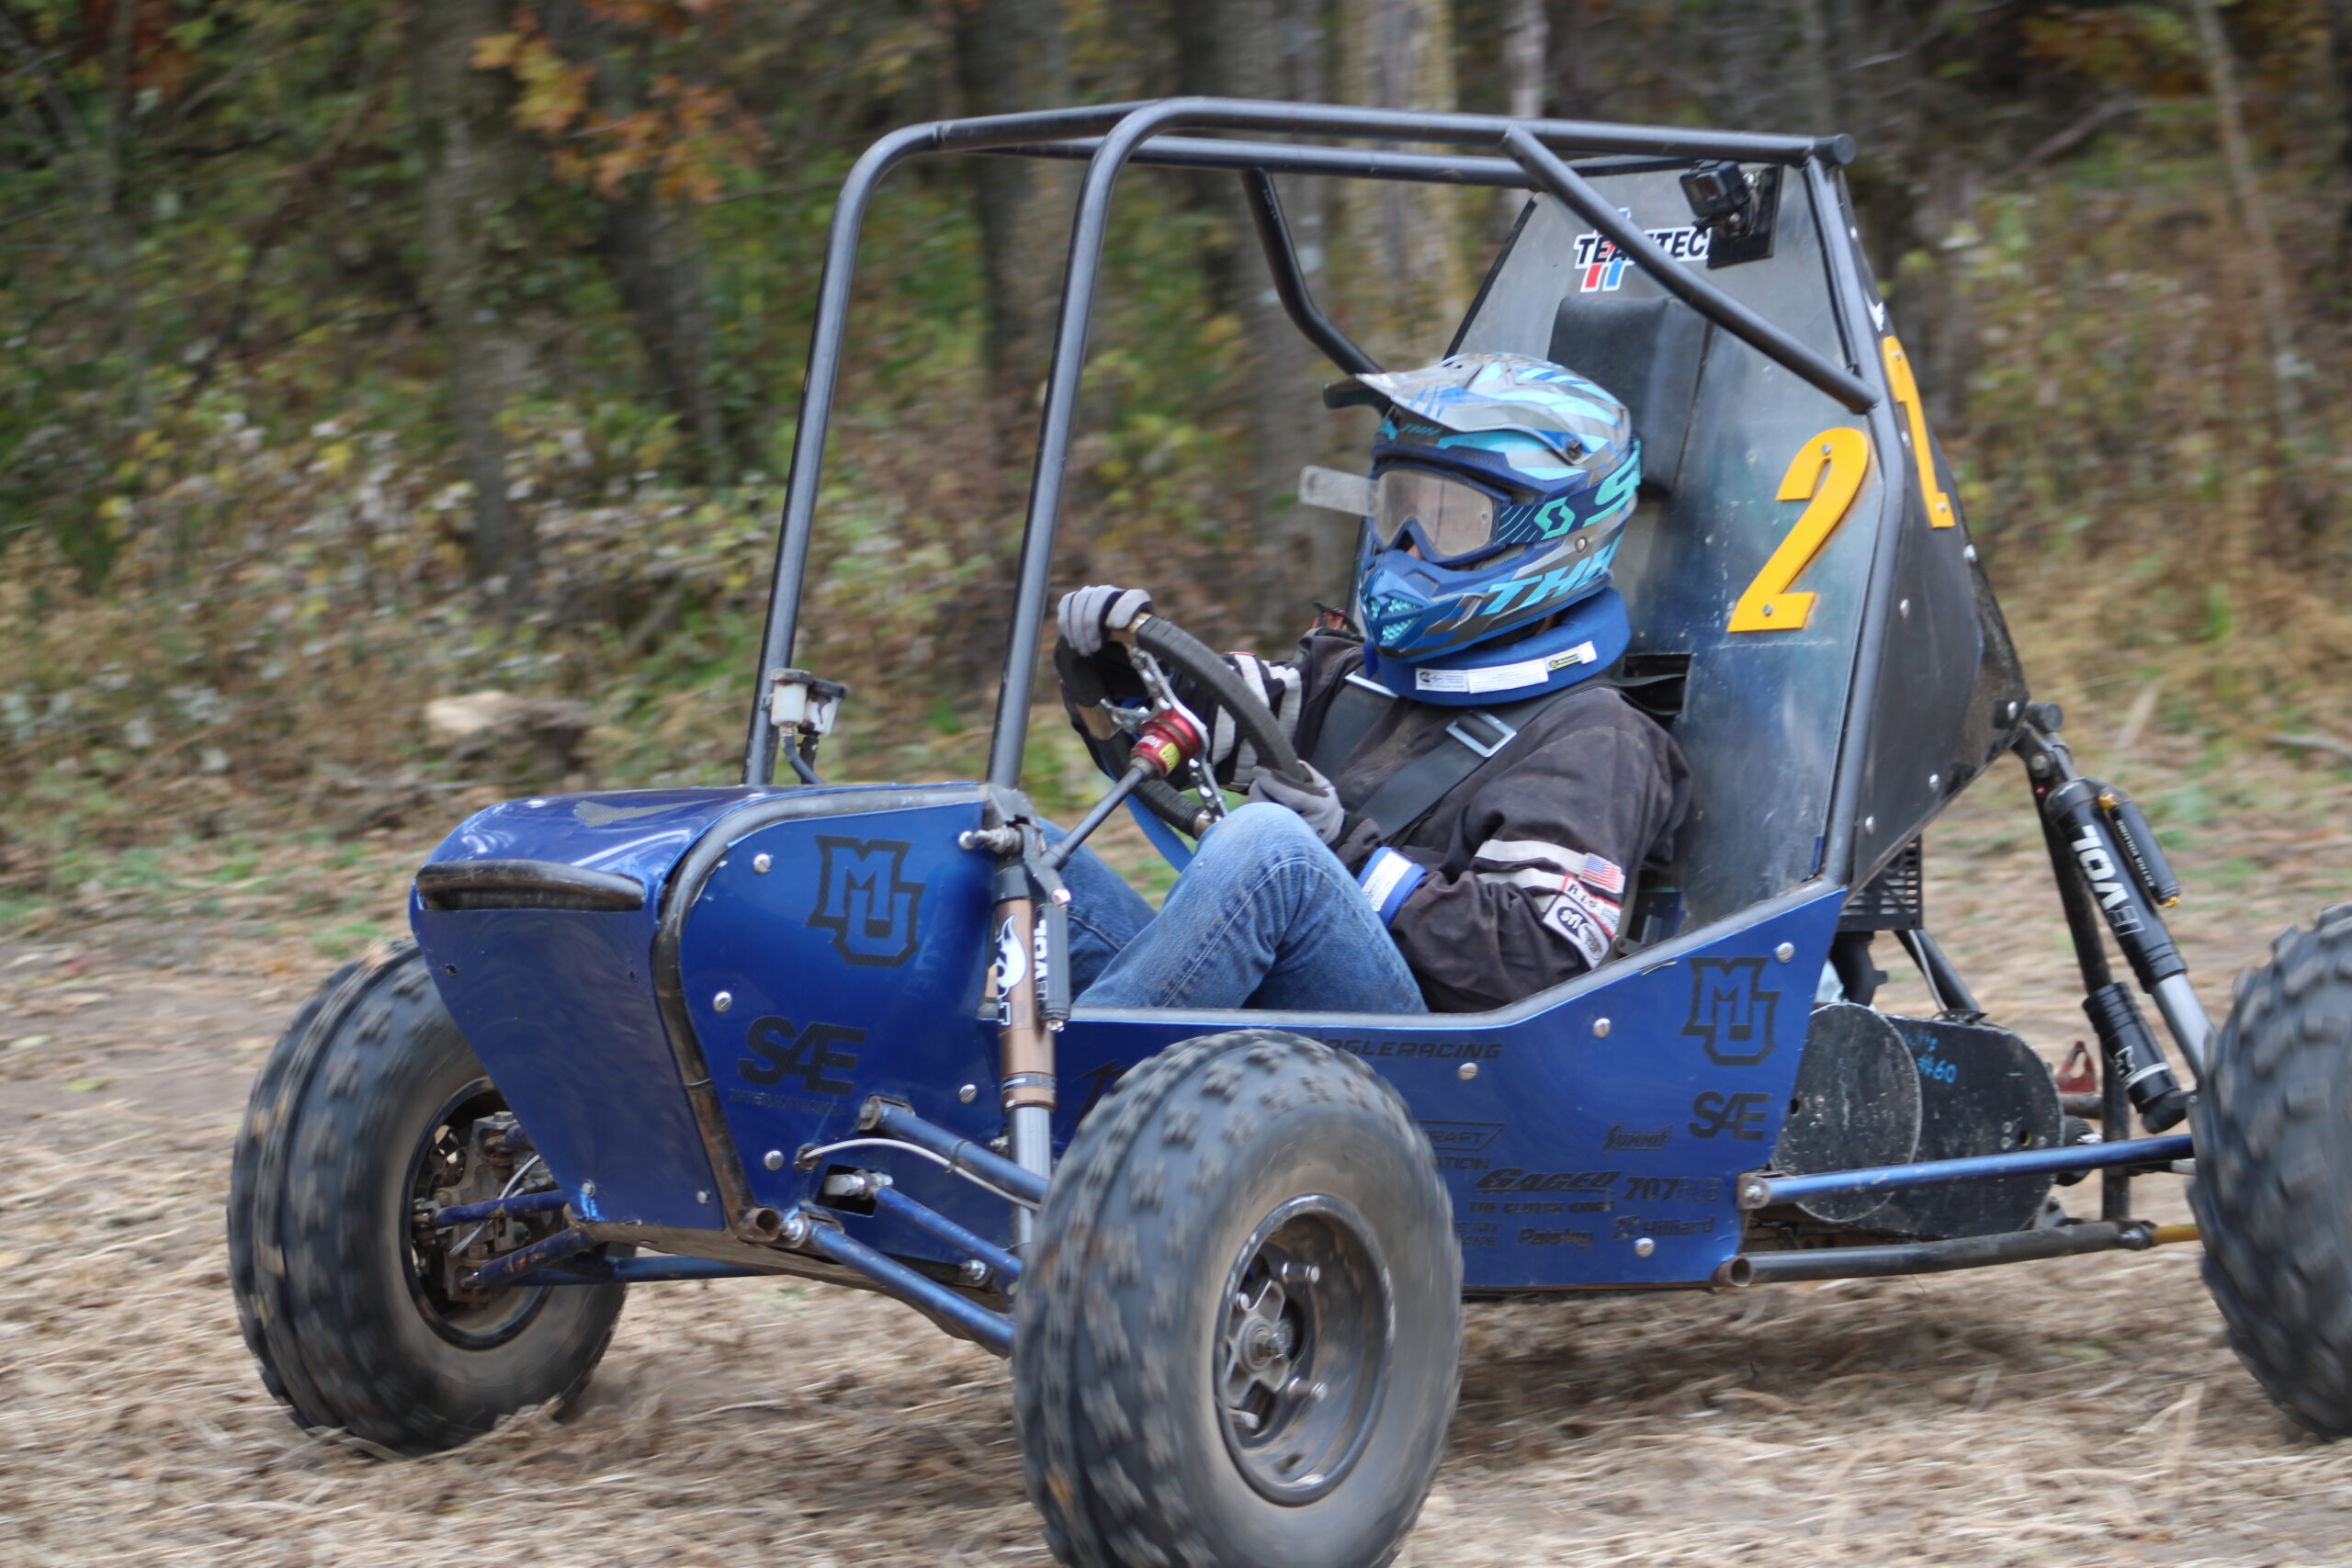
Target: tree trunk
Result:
[2253, 214]
[2296, 494]
[473, 172]
[1527, 34]
[650, 247]
[1010, 56]
[1405, 279]
[1526, 63]
[2339, 57]
[1273, 50]
[656, 259]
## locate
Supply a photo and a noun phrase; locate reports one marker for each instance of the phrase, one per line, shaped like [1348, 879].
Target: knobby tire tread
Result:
[2273, 1192]
[309, 1325]
[1088, 1456]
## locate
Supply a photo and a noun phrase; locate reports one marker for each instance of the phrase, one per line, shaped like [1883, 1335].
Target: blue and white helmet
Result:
[1500, 487]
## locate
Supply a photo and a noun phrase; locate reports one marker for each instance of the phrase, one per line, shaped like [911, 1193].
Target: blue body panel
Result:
[559, 1003]
[1569, 1146]
[854, 965]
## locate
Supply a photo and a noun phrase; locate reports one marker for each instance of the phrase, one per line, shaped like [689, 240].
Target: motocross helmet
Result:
[1500, 486]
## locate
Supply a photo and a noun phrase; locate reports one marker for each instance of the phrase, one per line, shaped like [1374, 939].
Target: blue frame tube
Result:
[1763, 1191]
[510, 1270]
[499, 1209]
[961, 1153]
[991, 1330]
[899, 1206]
[651, 1271]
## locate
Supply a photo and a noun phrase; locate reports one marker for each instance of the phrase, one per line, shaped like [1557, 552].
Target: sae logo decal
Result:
[1603, 265]
[866, 903]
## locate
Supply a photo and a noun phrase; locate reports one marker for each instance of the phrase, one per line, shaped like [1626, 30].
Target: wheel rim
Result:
[438, 1161]
[1302, 1349]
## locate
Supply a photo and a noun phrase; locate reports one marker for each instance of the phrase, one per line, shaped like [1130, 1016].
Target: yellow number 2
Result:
[1906, 387]
[1827, 474]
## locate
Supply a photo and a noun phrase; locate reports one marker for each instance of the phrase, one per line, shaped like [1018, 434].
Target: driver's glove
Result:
[1319, 804]
[1085, 612]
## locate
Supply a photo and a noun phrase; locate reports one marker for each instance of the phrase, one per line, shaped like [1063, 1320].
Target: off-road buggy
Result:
[792, 1028]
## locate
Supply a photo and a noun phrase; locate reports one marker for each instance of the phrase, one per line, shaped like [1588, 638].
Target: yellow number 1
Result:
[1907, 394]
[1826, 473]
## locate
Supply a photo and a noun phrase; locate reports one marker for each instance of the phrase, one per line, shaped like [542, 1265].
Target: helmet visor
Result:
[1451, 518]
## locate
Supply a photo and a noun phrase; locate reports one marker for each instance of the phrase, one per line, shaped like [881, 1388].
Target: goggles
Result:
[1448, 518]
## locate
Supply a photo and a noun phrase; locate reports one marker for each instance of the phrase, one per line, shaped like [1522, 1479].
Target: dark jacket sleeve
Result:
[1527, 884]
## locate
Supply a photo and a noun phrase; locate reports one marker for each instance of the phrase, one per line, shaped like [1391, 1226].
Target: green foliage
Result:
[234, 526]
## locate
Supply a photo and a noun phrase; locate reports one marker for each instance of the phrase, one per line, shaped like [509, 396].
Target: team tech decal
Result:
[866, 903]
[813, 1055]
[1603, 264]
[1731, 1012]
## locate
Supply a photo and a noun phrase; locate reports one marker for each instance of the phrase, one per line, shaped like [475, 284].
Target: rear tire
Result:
[1238, 1344]
[2273, 1193]
[350, 1331]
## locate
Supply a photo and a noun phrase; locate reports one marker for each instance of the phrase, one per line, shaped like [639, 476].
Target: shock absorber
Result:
[2133, 1055]
[2127, 880]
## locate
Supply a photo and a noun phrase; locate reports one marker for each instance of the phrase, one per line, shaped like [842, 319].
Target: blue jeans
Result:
[1265, 917]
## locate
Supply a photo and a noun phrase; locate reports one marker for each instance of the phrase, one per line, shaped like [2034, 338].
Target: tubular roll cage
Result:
[1111, 136]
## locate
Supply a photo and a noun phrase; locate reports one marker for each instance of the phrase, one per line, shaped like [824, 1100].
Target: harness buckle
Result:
[1504, 733]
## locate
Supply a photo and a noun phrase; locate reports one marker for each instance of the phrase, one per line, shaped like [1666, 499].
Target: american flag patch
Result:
[1605, 875]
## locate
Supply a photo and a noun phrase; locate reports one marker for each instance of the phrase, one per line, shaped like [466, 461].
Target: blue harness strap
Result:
[1171, 845]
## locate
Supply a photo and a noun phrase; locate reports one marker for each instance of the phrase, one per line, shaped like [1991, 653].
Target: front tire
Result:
[1239, 1344]
[362, 1108]
[2273, 1193]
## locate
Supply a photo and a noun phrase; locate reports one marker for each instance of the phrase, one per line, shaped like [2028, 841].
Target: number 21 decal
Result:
[1825, 474]
[1906, 387]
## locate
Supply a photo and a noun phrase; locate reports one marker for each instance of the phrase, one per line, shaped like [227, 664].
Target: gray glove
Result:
[1086, 611]
[1319, 805]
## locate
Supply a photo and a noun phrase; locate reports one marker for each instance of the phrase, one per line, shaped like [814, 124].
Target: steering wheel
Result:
[1167, 649]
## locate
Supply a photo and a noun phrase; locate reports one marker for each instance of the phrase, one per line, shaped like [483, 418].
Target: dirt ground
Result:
[2081, 1412]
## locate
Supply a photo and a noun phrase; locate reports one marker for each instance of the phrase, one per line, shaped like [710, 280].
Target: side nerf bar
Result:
[1762, 1189]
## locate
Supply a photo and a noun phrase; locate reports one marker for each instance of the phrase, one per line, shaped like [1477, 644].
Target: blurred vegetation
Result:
[355, 357]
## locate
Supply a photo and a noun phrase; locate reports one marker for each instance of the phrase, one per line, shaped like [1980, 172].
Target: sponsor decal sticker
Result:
[1603, 265]
[1503, 677]
[1461, 1137]
[814, 1056]
[1740, 1115]
[865, 902]
[1586, 918]
[1731, 1012]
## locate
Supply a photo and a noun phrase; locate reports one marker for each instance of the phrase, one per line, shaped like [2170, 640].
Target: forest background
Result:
[354, 357]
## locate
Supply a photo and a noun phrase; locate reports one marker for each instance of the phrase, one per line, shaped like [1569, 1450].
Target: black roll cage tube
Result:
[1109, 137]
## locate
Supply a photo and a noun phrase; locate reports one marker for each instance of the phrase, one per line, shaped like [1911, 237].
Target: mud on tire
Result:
[319, 1199]
[2273, 1193]
[1239, 1342]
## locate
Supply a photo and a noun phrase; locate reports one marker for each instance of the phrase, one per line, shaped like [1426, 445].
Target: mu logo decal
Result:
[867, 905]
[1730, 1010]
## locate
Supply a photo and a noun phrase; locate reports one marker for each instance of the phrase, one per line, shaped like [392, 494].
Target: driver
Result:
[1480, 805]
